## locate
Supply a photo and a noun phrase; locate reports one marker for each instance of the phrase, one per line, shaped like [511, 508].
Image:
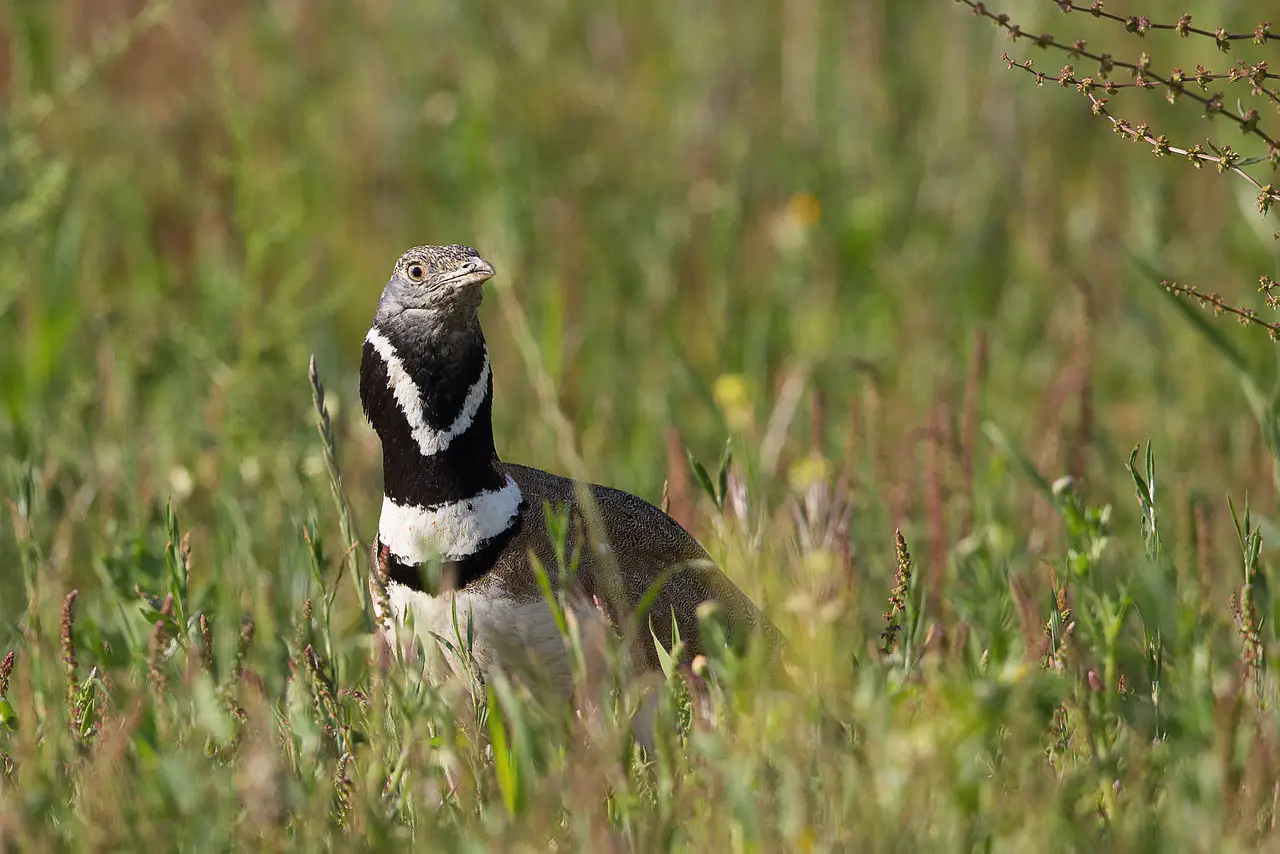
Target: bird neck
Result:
[429, 397]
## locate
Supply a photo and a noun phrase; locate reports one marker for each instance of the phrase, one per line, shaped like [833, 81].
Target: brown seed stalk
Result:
[206, 645]
[67, 635]
[6, 668]
[159, 640]
[342, 790]
[898, 596]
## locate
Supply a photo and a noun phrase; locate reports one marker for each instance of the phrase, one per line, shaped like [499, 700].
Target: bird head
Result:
[435, 285]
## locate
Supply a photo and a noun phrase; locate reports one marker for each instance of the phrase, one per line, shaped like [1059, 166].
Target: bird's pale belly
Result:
[520, 637]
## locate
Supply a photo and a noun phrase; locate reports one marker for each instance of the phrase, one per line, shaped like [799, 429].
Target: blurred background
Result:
[842, 233]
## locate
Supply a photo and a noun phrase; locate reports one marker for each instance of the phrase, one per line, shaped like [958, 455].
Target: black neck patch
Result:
[469, 464]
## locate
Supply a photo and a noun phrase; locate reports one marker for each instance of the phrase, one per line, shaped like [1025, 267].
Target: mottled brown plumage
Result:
[644, 545]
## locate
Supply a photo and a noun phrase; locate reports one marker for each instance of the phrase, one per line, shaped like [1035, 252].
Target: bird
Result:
[462, 533]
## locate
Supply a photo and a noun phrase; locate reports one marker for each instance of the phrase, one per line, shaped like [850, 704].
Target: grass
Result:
[915, 295]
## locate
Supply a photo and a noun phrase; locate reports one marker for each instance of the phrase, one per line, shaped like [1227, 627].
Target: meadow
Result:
[874, 315]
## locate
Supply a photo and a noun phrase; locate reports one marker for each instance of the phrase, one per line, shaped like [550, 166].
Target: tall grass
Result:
[896, 279]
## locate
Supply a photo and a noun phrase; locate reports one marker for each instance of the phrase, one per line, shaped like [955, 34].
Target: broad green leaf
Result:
[8, 716]
[704, 480]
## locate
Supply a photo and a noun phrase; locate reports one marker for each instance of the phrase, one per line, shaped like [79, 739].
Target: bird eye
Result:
[416, 272]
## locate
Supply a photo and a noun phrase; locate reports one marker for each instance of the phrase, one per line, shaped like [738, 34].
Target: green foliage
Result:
[826, 245]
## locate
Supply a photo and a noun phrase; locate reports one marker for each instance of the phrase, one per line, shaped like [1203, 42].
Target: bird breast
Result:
[492, 629]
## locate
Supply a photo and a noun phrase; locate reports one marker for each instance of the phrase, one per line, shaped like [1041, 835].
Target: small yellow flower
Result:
[732, 394]
[791, 226]
[804, 209]
[808, 471]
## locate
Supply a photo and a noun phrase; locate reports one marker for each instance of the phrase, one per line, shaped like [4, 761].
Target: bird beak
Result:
[477, 271]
